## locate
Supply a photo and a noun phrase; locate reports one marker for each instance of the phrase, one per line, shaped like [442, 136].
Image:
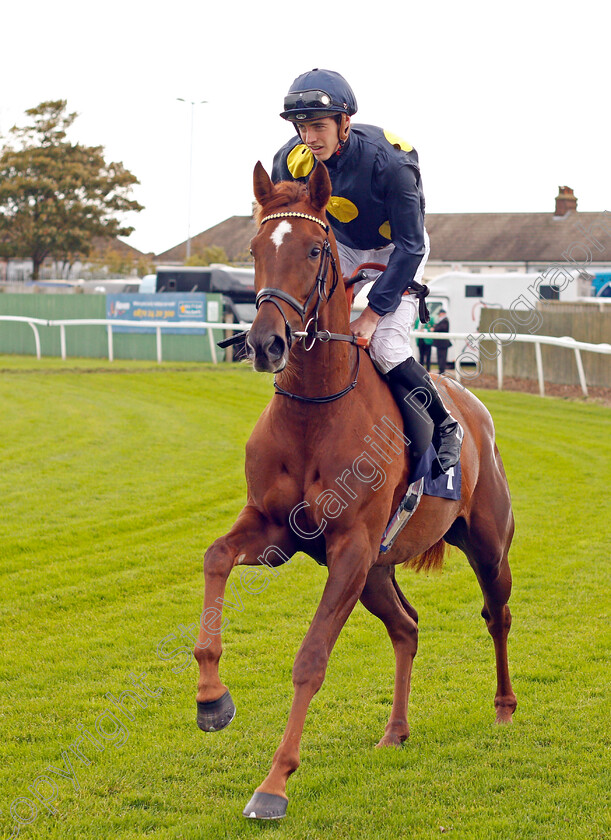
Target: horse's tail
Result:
[429, 560]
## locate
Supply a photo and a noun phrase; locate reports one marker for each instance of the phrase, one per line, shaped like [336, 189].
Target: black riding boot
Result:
[417, 388]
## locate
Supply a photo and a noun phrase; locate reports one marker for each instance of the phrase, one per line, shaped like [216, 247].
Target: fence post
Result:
[36, 339]
[540, 368]
[212, 345]
[111, 350]
[62, 340]
[159, 357]
[499, 367]
[580, 370]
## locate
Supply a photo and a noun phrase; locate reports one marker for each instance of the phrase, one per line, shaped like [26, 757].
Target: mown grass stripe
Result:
[112, 487]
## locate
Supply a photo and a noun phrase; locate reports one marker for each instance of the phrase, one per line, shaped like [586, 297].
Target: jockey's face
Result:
[321, 136]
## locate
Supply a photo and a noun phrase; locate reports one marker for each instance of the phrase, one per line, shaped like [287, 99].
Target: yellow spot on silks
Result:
[342, 209]
[384, 230]
[300, 161]
[397, 142]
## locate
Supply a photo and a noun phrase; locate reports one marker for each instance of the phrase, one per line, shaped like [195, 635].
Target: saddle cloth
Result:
[426, 480]
[437, 483]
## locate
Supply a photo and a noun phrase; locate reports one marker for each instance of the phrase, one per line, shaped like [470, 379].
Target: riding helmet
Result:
[318, 93]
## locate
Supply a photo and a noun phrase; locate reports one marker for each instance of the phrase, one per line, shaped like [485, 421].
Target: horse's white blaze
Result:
[280, 232]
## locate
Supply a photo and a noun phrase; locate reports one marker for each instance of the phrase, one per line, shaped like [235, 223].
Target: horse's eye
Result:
[315, 252]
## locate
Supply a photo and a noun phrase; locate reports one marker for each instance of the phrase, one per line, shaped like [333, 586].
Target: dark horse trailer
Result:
[236, 285]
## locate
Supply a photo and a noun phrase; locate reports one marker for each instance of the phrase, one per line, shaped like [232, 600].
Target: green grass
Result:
[114, 480]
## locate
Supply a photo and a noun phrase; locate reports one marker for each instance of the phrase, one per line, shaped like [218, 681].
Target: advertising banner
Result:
[150, 308]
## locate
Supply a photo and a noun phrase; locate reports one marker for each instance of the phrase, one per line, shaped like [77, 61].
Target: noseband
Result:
[274, 295]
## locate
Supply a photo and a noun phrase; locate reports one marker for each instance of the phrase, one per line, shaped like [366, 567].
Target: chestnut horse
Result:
[318, 482]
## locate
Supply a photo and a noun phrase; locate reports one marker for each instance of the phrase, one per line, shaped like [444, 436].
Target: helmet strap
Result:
[343, 132]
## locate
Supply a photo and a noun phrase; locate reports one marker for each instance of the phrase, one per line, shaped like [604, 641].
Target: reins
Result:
[330, 397]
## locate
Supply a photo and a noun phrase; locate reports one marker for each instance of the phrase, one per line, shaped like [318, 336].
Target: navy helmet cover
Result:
[318, 93]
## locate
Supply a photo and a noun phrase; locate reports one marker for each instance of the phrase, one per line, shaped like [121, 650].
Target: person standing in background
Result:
[442, 344]
[425, 345]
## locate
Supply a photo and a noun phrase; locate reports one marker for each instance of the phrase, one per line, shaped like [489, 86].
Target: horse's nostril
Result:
[275, 348]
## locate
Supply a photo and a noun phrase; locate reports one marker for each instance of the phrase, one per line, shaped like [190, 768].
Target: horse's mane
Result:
[285, 193]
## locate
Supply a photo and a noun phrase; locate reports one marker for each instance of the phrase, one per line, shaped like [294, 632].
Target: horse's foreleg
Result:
[382, 597]
[251, 541]
[349, 560]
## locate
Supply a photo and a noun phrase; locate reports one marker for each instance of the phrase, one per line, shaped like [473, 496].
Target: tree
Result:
[207, 256]
[56, 196]
[114, 262]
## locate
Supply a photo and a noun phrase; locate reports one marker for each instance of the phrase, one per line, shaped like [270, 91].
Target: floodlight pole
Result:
[192, 104]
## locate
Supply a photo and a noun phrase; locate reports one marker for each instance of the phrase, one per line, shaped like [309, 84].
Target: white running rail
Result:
[502, 340]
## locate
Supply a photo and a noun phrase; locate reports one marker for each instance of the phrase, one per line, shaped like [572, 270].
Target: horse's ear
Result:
[262, 183]
[319, 187]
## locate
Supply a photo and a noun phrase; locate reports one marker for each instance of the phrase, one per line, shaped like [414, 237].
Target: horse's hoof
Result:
[217, 714]
[392, 740]
[505, 710]
[266, 806]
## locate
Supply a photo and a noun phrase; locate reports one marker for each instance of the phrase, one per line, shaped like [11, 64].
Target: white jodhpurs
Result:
[390, 344]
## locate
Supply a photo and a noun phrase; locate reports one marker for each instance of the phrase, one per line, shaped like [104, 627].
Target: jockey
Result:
[377, 215]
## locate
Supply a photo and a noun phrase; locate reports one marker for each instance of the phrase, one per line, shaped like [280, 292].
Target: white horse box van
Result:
[464, 294]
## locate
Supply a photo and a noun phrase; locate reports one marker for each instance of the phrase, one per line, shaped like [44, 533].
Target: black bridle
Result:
[319, 289]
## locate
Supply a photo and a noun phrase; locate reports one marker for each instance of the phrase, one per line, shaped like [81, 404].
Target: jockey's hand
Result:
[365, 325]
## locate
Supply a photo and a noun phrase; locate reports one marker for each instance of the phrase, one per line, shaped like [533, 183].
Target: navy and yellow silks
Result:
[376, 199]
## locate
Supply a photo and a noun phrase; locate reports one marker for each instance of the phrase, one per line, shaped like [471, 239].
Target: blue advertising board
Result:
[149, 308]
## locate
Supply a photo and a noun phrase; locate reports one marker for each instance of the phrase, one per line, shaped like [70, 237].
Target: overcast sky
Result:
[503, 103]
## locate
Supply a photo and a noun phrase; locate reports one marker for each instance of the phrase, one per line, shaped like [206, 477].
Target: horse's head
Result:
[292, 255]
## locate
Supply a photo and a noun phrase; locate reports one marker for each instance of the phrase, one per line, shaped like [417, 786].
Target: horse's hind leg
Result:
[382, 597]
[497, 616]
[496, 588]
[486, 540]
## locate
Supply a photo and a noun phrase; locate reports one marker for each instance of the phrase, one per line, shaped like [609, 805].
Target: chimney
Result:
[565, 201]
